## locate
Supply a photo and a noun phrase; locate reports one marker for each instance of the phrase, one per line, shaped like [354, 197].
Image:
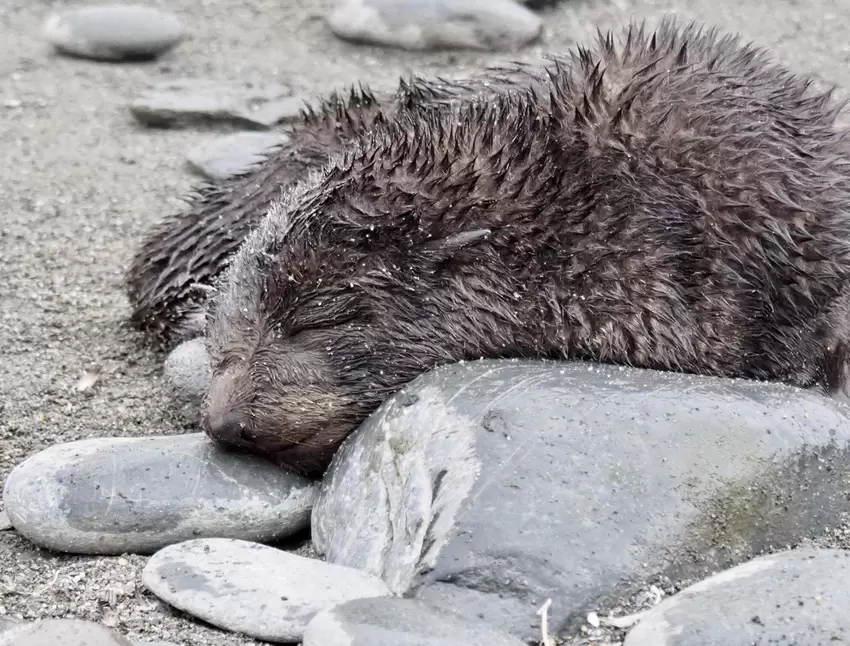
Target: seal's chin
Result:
[302, 460]
[290, 456]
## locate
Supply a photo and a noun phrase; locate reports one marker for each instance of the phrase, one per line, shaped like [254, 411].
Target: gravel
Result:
[82, 182]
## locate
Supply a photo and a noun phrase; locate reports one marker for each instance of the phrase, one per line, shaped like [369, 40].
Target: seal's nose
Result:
[230, 429]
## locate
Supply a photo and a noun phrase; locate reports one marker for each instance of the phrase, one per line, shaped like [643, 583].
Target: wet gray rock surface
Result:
[113, 31]
[187, 368]
[69, 632]
[229, 155]
[795, 597]
[251, 588]
[182, 102]
[390, 621]
[115, 495]
[436, 24]
[488, 487]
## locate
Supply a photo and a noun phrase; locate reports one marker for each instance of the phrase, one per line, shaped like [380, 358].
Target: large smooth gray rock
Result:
[436, 24]
[182, 102]
[69, 632]
[115, 495]
[489, 487]
[795, 597]
[228, 155]
[113, 31]
[253, 589]
[390, 621]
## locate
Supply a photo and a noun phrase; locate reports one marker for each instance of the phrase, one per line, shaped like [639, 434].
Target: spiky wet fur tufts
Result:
[180, 259]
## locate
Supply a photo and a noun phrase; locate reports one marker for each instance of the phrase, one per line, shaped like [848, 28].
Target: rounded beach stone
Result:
[390, 621]
[69, 632]
[228, 155]
[487, 487]
[253, 589]
[187, 368]
[795, 597]
[113, 31]
[115, 495]
[436, 24]
[182, 102]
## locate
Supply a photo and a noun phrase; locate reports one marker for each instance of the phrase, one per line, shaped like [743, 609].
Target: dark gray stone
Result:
[69, 632]
[187, 368]
[113, 31]
[251, 588]
[229, 155]
[798, 597]
[489, 487]
[183, 102]
[115, 495]
[436, 24]
[390, 621]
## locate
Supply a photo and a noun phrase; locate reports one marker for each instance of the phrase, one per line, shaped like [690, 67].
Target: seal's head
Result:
[334, 302]
[271, 333]
[314, 325]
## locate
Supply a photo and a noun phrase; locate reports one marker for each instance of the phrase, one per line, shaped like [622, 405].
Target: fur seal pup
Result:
[670, 199]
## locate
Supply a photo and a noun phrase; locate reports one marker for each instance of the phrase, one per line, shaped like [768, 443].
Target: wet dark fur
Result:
[181, 258]
[672, 201]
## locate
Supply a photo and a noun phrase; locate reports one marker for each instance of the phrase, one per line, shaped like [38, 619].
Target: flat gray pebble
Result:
[187, 368]
[229, 155]
[436, 24]
[798, 597]
[115, 495]
[68, 632]
[182, 102]
[113, 31]
[391, 621]
[251, 588]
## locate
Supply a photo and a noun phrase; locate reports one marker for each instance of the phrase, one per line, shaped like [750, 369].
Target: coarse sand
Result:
[81, 182]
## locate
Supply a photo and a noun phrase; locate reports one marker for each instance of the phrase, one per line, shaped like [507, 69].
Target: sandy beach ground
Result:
[80, 183]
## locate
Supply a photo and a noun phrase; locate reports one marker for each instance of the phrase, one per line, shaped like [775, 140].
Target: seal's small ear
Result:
[444, 248]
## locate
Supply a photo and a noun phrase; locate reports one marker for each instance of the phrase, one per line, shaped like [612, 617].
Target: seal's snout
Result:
[224, 420]
[230, 429]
